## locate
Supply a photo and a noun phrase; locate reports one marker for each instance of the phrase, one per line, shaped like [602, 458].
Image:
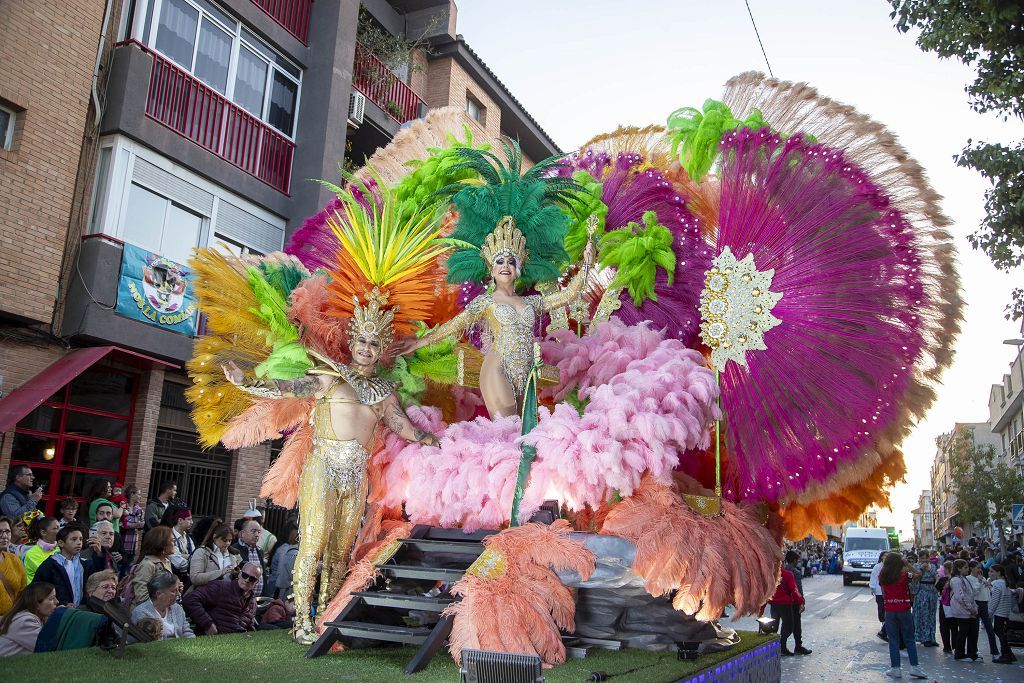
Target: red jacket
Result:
[787, 593]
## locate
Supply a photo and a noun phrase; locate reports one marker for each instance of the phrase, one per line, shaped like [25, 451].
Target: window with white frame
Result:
[7, 119]
[160, 225]
[143, 198]
[215, 48]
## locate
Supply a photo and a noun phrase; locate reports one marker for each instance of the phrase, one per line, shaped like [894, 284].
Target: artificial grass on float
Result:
[272, 656]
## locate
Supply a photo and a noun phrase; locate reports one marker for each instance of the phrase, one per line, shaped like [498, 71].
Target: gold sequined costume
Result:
[332, 499]
[509, 332]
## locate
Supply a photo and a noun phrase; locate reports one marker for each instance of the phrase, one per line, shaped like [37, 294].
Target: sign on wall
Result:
[156, 290]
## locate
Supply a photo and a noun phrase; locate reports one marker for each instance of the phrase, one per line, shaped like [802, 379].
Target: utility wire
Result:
[758, 34]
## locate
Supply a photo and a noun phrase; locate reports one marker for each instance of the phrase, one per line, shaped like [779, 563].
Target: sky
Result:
[585, 67]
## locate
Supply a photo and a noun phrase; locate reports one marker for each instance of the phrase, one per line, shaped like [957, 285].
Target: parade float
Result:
[623, 375]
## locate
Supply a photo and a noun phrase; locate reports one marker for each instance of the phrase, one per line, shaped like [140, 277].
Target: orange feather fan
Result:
[680, 550]
[521, 606]
[799, 520]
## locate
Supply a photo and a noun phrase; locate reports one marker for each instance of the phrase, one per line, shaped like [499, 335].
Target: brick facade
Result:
[247, 468]
[445, 83]
[48, 52]
[144, 426]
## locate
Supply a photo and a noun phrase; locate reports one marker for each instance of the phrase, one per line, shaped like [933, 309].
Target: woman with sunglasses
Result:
[225, 606]
[164, 589]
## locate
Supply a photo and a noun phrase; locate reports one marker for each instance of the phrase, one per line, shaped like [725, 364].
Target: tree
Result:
[985, 486]
[988, 35]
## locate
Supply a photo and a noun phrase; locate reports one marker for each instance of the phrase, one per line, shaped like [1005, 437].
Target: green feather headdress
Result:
[540, 204]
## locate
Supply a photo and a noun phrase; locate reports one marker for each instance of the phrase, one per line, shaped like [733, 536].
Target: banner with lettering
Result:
[156, 290]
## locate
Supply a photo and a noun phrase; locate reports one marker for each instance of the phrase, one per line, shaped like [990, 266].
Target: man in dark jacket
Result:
[156, 508]
[248, 545]
[225, 606]
[19, 498]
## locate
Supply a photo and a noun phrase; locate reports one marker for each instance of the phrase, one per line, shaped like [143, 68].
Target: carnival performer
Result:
[511, 230]
[265, 369]
[350, 403]
[509, 320]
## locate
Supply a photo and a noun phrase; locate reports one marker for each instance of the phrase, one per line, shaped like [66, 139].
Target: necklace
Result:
[369, 390]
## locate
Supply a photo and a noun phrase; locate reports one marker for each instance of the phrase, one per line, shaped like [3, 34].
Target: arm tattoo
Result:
[302, 387]
[393, 418]
[418, 433]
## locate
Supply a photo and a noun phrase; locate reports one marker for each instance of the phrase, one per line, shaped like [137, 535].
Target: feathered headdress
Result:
[536, 201]
[387, 259]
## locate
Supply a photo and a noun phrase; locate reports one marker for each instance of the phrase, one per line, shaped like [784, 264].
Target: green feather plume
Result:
[288, 358]
[590, 204]
[637, 252]
[540, 204]
[696, 134]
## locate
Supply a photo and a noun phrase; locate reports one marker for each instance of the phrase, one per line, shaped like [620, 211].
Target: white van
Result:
[861, 548]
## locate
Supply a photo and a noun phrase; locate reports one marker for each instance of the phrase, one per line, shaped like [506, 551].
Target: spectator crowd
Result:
[954, 592]
[113, 571]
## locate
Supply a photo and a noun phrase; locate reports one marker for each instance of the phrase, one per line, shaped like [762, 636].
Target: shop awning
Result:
[34, 392]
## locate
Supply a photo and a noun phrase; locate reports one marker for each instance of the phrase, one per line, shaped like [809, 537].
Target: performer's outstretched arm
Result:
[454, 328]
[397, 421]
[575, 286]
[302, 387]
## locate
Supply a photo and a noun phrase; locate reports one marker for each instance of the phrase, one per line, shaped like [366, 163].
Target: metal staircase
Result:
[405, 604]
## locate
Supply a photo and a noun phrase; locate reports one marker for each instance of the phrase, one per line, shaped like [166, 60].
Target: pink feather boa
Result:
[650, 399]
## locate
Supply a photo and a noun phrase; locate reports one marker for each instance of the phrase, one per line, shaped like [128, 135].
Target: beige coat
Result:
[147, 568]
[204, 567]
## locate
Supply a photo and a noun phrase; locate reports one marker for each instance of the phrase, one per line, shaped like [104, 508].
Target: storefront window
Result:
[79, 435]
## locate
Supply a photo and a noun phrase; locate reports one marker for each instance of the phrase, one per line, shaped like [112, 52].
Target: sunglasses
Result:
[250, 578]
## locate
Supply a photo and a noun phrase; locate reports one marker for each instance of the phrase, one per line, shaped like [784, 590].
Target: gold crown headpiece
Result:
[506, 239]
[374, 319]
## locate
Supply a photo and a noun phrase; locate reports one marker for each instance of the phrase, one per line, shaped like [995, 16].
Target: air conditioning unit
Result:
[356, 109]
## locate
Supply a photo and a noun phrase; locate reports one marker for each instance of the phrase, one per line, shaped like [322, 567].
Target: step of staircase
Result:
[406, 571]
[421, 603]
[429, 557]
[428, 545]
[410, 635]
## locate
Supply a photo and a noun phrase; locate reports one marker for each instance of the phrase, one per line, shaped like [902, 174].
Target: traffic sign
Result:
[1017, 514]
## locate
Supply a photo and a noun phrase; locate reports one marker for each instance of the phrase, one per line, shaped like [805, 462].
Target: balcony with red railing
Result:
[292, 15]
[383, 87]
[199, 113]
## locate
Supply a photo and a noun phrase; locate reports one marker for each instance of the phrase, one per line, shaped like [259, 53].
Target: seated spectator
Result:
[248, 546]
[20, 627]
[225, 606]
[283, 563]
[42, 533]
[157, 546]
[184, 546]
[68, 511]
[64, 569]
[100, 587]
[12, 571]
[19, 537]
[101, 556]
[215, 559]
[163, 590]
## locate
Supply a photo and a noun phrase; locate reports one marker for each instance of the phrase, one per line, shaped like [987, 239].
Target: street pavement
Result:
[840, 624]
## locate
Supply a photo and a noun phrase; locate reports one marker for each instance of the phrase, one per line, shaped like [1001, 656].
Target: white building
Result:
[943, 500]
[923, 535]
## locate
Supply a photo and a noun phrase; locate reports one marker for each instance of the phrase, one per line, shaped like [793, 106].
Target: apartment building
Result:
[922, 520]
[1006, 409]
[136, 130]
[943, 499]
